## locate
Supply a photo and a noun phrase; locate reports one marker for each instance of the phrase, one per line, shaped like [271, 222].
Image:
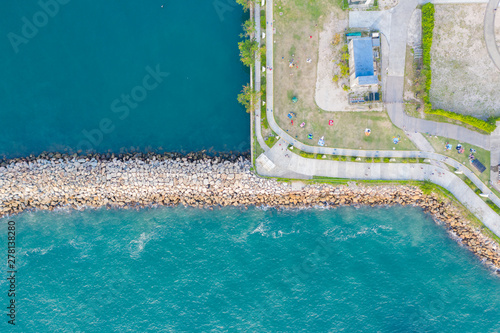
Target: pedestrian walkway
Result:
[424, 145]
[258, 118]
[269, 65]
[284, 160]
[368, 153]
[489, 32]
[395, 109]
[388, 171]
[393, 97]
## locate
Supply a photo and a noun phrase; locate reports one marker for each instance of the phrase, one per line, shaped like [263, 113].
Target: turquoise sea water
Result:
[64, 87]
[65, 77]
[182, 269]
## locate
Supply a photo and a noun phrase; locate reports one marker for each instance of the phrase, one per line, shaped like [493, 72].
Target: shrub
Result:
[492, 120]
[478, 123]
[306, 155]
[493, 206]
[344, 61]
[344, 69]
[336, 39]
[427, 31]
[271, 140]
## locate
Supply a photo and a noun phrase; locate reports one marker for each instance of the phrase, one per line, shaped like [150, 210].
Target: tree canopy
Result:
[248, 48]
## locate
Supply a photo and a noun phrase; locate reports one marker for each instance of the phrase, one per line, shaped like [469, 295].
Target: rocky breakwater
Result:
[55, 181]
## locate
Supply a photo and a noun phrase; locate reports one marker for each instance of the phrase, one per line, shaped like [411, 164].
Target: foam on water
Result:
[185, 269]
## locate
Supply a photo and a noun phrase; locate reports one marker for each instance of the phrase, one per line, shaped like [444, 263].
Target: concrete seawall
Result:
[55, 181]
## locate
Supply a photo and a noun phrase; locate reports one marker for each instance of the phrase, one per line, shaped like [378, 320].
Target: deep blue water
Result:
[182, 269]
[69, 76]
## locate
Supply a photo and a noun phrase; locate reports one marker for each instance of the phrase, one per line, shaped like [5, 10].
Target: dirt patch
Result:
[330, 96]
[387, 4]
[413, 64]
[464, 79]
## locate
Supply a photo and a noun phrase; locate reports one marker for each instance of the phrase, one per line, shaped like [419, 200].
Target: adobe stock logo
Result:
[223, 6]
[30, 28]
[122, 106]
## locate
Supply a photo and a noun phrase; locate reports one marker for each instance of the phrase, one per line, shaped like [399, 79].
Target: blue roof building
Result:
[361, 62]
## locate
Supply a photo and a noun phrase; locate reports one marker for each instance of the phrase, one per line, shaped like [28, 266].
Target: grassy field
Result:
[348, 130]
[271, 140]
[298, 23]
[482, 155]
[464, 79]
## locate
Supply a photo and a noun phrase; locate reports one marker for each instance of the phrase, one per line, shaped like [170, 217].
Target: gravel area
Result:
[464, 79]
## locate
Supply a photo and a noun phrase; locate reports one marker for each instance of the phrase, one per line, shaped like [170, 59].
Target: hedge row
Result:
[478, 123]
[427, 33]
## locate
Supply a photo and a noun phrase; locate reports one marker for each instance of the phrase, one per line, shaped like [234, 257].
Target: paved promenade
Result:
[280, 162]
[269, 65]
[284, 159]
[258, 128]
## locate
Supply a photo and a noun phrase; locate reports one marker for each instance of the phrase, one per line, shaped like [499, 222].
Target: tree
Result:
[247, 51]
[245, 4]
[248, 97]
[248, 29]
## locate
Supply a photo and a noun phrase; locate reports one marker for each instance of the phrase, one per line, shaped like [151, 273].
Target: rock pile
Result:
[53, 181]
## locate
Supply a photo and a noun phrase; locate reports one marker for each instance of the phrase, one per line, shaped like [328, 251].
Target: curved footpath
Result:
[55, 181]
[393, 94]
[386, 154]
[489, 31]
[282, 161]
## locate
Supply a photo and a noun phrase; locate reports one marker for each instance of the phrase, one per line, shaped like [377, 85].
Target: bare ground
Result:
[387, 4]
[464, 79]
[298, 27]
[329, 94]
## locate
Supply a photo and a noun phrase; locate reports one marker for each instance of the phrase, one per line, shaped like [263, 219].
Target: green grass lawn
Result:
[298, 23]
[348, 130]
[271, 140]
[481, 154]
